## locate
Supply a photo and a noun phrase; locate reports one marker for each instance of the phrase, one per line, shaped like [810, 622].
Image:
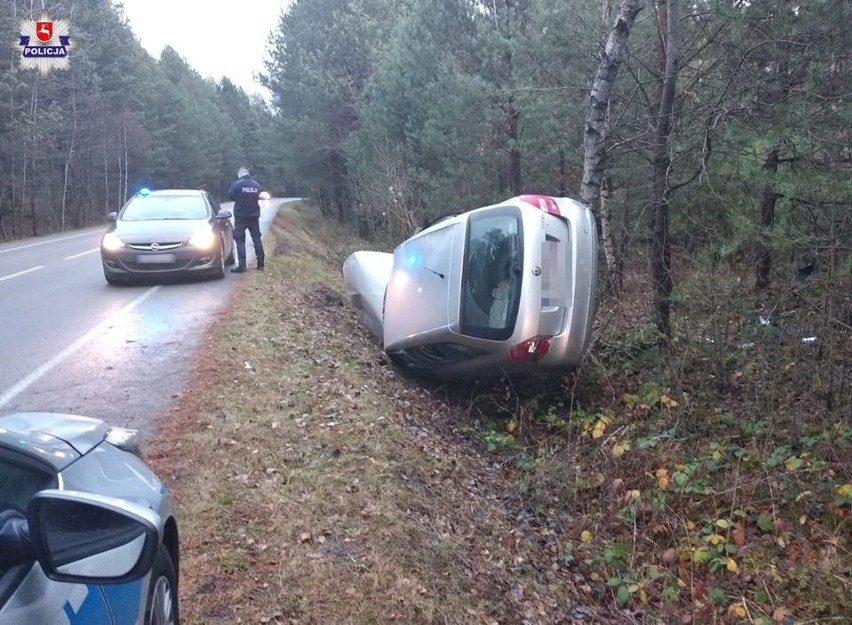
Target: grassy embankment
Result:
[317, 486]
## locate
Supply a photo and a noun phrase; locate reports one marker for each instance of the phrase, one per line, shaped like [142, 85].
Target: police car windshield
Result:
[164, 207]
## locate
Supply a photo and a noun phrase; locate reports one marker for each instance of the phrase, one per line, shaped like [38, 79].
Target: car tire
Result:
[220, 262]
[162, 605]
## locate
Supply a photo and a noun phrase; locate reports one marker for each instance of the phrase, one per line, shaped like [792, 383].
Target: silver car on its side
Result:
[507, 288]
[88, 534]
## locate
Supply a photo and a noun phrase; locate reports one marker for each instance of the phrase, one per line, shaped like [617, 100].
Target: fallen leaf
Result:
[586, 536]
[630, 400]
[668, 402]
[844, 491]
[619, 449]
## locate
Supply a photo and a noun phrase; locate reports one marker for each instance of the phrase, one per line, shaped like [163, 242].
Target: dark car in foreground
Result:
[88, 534]
[507, 288]
[169, 232]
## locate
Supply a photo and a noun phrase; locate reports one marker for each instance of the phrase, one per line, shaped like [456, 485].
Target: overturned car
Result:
[507, 288]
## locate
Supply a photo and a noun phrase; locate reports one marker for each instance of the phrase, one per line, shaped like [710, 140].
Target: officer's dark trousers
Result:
[252, 224]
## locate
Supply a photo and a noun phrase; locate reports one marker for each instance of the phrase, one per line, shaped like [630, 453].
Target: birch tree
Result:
[596, 130]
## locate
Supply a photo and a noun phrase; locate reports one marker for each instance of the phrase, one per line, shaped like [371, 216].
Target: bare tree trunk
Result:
[126, 161]
[660, 252]
[769, 197]
[596, 130]
[614, 278]
[106, 182]
[68, 161]
[515, 173]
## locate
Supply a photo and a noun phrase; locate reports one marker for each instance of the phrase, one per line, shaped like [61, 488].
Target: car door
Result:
[26, 594]
[224, 226]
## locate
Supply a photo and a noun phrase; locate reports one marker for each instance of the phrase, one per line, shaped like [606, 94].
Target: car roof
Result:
[171, 192]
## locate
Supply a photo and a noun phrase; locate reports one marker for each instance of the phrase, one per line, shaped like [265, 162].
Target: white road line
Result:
[81, 254]
[70, 236]
[20, 273]
[43, 370]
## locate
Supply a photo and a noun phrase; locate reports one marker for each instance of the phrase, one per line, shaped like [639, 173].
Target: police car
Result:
[88, 533]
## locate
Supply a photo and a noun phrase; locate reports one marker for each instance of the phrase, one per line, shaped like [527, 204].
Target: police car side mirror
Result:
[84, 538]
[112, 216]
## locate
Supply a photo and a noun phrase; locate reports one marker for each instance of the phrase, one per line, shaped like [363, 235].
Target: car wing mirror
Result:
[85, 538]
[112, 216]
[223, 215]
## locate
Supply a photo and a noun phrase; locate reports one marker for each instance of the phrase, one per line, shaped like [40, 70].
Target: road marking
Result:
[81, 254]
[22, 247]
[20, 273]
[43, 370]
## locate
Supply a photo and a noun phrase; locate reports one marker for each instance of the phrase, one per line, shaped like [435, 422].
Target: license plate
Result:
[155, 259]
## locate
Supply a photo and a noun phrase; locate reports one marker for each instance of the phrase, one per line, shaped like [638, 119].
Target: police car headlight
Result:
[111, 242]
[204, 240]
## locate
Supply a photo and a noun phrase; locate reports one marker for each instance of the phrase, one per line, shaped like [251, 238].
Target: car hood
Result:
[160, 230]
[57, 439]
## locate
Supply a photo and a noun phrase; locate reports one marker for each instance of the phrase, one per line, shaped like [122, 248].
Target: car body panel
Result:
[465, 291]
[420, 284]
[160, 246]
[56, 438]
[367, 275]
[89, 464]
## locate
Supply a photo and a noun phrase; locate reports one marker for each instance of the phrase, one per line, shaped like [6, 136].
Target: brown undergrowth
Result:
[317, 486]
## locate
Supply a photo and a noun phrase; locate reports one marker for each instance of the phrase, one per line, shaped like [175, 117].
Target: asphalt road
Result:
[71, 343]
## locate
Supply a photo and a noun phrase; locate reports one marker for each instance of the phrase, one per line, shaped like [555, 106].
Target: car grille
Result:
[155, 246]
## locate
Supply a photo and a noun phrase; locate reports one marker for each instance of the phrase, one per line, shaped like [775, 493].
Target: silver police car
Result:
[507, 288]
[88, 534]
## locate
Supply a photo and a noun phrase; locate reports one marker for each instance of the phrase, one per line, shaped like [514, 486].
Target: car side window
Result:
[19, 482]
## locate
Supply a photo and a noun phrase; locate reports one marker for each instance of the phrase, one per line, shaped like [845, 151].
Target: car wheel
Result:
[220, 261]
[162, 606]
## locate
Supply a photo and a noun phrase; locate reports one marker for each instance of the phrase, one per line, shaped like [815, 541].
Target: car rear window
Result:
[491, 280]
[165, 207]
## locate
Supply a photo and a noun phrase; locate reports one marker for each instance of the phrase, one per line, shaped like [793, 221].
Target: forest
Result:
[76, 144]
[717, 391]
[391, 112]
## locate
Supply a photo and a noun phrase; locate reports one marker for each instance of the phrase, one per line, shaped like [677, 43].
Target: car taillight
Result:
[531, 350]
[543, 202]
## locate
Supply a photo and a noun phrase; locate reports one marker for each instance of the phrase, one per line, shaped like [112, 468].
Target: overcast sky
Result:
[226, 38]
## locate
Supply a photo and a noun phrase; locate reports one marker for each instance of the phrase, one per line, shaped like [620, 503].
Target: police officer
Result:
[244, 191]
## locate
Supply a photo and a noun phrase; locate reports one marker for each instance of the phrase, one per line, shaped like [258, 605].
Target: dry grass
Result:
[316, 486]
[707, 483]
